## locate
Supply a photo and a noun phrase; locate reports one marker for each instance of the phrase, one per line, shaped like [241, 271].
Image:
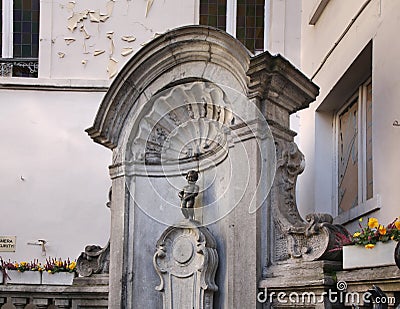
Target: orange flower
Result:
[382, 230]
[397, 224]
[373, 223]
[369, 246]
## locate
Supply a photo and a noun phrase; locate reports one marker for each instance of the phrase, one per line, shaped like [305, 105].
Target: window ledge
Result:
[40, 84]
[371, 205]
[317, 11]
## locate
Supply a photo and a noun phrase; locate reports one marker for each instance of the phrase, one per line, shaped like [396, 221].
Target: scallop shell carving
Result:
[188, 122]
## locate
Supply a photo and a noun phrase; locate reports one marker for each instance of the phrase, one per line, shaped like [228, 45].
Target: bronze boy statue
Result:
[188, 194]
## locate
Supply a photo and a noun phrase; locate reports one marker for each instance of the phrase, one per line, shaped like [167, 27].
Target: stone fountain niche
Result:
[195, 99]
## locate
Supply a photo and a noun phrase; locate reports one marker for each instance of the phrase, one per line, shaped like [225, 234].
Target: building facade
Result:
[349, 135]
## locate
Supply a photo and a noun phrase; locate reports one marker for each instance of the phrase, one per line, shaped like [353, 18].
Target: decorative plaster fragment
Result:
[112, 67]
[94, 16]
[68, 41]
[110, 7]
[85, 51]
[70, 5]
[61, 54]
[76, 18]
[126, 51]
[148, 7]
[103, 17]
[128, 38]
[84, 61]
[98, 52]
[86, 35]
[110, 36]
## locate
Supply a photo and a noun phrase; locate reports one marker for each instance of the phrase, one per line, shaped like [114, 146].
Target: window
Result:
[250, 24]
[213, 13]
[344, 129]
[19, 38]
[354, 150]
[243, 19]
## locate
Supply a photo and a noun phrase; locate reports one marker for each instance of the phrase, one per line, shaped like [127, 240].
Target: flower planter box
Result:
[359, 257]
[61, 278]
[26, 277]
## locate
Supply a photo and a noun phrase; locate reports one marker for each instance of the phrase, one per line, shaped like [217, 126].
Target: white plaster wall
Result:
[127, 19]
[54, 180]
[380, 22]
[285, 29]
[317, 40]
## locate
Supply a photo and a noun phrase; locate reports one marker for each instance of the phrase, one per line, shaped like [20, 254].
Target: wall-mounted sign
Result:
[7, 243]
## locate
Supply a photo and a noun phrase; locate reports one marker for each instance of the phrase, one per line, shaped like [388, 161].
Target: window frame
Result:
[364, 205]
[8, 30]
[231, 21]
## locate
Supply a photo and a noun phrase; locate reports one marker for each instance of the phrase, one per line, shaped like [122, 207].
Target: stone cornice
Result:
[275, 79]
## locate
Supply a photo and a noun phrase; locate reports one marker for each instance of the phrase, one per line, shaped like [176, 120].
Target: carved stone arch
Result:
[187, 52]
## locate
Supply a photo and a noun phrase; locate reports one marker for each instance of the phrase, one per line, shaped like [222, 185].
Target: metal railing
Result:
[19, 67]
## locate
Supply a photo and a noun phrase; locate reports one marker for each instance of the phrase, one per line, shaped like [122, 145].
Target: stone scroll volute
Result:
[314, 238]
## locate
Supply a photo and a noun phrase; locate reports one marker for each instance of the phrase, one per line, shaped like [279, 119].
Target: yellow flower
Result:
[382, 230]
[72, 266]
[356, 234]
[397, 224]
[49, 271]
[361, 219]
[369, 246]
[373, 223]
[392, 238]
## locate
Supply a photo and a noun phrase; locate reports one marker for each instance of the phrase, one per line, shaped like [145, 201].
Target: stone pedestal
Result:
[186, 261]
[357, 283]
[301, 285]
